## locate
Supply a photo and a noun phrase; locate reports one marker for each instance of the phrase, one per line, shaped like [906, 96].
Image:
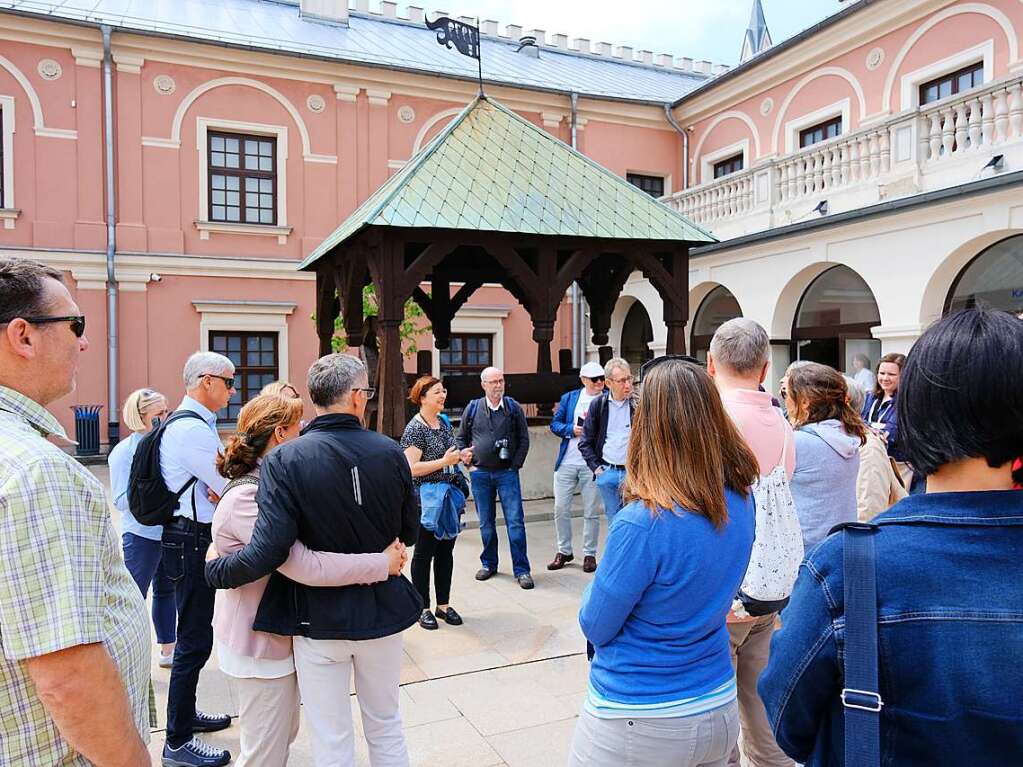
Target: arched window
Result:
[834, 319]
[717, 308]
[994, 278]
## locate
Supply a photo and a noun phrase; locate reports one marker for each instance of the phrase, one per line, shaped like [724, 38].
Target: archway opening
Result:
[994, 278]
[637, 335]
[834, 319]
[715, 310]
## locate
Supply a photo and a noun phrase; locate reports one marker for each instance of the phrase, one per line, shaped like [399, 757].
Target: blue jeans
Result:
[486, 485]
[609, 483]
[142, 558]
[184, 562]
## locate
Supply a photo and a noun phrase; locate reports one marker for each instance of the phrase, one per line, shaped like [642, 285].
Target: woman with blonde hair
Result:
[262, 664]
[142, 412]
[828, 435]
[662, 687]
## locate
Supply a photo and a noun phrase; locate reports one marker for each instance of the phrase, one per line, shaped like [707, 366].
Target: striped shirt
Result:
[701, 704]
[62, 583]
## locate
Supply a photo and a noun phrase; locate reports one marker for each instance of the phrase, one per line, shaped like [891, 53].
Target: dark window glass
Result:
[726, 167]
[242, 178]
[652, 185]
[467, 354]
[820, 132]
[955, 82]
[255, 364]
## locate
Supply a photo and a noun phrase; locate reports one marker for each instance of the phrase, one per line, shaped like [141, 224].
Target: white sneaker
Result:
[166, 661]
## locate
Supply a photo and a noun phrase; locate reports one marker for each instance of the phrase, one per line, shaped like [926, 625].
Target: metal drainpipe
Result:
[578, 313]
[113, 411]
[685, 144]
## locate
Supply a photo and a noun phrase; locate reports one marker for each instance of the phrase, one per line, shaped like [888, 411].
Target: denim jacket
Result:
[950, 614]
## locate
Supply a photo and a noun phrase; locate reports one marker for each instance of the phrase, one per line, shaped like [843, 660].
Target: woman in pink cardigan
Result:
[261, 663]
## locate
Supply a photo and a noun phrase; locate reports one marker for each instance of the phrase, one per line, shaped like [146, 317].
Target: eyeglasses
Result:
[77, 322]
[228, 382]
[369, 391]
[597, 379]
[651, 364]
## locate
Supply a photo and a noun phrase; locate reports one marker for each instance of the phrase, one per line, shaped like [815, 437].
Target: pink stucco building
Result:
[244, 131]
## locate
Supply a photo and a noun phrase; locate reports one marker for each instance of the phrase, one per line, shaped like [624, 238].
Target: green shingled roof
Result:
[492, 170]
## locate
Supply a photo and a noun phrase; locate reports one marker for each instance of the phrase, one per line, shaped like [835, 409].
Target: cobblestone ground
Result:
[503, 689]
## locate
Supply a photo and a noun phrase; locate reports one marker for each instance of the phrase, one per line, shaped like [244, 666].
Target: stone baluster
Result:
[864, 158]
[797, 182]
[818, 172]
[843, 167]
[836, 167]
[781, 181]
[1016, 110]
[962, 128]
[1001, 116]
[987, 122]
[853, 153]
[948, 135]
[825, 182]
[973, 124]
[885, 147]
[875, 156]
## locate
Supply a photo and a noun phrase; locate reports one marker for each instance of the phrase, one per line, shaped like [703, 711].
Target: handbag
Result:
[861, 698]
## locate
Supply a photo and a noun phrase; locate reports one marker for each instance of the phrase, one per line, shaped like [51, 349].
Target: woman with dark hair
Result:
[662, 688]
[262, 664]
[949, 613]
[828, 438]
[429, 444]
[880, 410]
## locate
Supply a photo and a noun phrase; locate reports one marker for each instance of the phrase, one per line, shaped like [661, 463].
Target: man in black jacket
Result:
[339, 488]
[606, 431]
[495, 429]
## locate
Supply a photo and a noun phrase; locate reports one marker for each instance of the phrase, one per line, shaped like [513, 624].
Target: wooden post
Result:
[327, 307]
[387, 270]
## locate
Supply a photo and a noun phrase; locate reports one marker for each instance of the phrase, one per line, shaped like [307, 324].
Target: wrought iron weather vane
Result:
[464, 37]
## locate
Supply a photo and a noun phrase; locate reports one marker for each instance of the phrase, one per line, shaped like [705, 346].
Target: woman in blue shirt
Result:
[142, 542]
[662, 687]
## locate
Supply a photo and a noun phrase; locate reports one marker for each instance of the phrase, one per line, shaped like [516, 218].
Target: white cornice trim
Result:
[259, 230]
[222, 306]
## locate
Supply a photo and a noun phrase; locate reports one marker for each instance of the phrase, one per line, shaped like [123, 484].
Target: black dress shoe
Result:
[427, 621]
[483, 573]
[450, 617]
[210, 722]
[589, 564]
[525, 581]
[560, 560]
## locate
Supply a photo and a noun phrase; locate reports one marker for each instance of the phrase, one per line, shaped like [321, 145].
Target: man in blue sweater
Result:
[571, 473]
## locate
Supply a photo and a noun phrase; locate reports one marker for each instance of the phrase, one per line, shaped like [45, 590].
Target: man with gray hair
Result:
[605, 439]
[347, 490]
[737, 361]
[188, 453]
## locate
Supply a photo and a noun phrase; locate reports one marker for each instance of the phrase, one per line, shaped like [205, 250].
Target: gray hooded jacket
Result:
[824, 482]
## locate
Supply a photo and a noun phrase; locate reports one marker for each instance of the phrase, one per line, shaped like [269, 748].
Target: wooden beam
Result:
[327, 308]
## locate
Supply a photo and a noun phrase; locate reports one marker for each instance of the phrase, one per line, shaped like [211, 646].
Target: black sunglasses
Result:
[228, 382]
[596, 379]
[651, 364]
[77, 322]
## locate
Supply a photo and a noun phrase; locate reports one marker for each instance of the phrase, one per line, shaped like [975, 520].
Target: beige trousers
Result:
[751, 643]
[268, 716]
[325, 669]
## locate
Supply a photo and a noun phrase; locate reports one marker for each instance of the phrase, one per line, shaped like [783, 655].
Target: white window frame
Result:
[8, 213]
[247, 316]
[281, 230]
[841, 109]
[709, 159]
[911, 82]
[481, 320]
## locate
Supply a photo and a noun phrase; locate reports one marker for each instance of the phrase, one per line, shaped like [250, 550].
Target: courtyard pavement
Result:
[503, 689]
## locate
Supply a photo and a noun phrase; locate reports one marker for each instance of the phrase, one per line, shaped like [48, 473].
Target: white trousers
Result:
[268, 714]
[324, 676]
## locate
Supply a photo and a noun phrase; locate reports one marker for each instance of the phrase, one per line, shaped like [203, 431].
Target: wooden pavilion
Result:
[495, 199]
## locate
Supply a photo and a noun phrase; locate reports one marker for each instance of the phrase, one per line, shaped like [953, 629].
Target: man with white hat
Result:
[571, 472]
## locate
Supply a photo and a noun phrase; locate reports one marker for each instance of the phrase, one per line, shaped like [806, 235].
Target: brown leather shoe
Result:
[589, 564]
[560, 560]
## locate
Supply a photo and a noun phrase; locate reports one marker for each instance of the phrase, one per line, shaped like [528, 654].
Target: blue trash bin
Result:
[87, 429]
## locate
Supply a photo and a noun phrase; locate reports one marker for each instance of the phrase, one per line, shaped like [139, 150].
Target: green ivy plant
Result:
[413, 324]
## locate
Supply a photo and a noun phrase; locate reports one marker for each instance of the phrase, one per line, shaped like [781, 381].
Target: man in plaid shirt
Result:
[74, 634]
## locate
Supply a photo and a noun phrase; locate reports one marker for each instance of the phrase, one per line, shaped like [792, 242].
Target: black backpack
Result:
[150, 501]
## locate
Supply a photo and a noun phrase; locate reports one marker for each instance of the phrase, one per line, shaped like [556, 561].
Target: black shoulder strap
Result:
[245, 479]
[861, 695]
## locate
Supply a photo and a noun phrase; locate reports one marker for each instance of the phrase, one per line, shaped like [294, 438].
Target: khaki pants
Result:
[268, 715]
[751, 642]
[324, 669]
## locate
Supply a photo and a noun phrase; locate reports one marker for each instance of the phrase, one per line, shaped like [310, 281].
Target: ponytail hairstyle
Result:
[256, 424]
[136, 406]
[820, 394]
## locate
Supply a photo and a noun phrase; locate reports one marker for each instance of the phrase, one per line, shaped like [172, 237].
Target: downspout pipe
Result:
[578, 313]
[113, 408]
[685, 144]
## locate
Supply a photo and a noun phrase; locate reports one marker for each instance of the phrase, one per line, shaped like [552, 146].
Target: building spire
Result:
[757, 38]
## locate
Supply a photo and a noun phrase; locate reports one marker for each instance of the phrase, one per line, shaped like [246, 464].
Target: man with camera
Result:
[494, 427]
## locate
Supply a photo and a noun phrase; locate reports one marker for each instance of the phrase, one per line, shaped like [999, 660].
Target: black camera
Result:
[502, 449]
